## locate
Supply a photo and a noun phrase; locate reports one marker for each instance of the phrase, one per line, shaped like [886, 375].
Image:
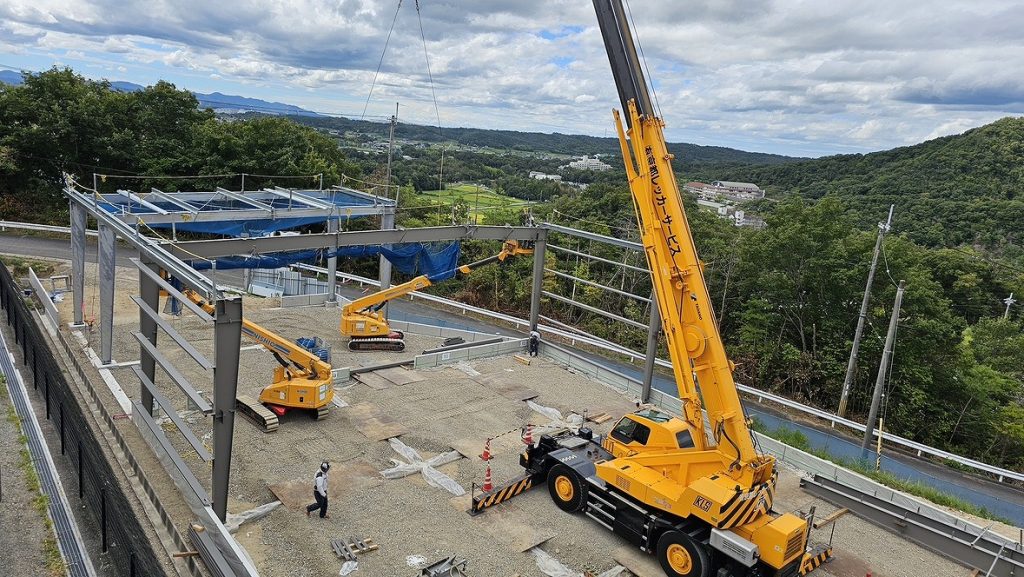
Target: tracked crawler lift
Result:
[303, 381]
[368, 329]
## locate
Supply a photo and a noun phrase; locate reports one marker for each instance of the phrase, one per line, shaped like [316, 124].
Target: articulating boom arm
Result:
[694, 343]
[283, 350]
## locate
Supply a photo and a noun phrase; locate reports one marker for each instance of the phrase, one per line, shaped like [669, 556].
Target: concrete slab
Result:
[372, 423]
[374, 381]
[400, 376]
[349, 476]
[509, 524]
[507, 387]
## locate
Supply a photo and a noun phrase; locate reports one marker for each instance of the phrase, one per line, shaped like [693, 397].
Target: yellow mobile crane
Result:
[302, 381]
[368, 329]
[697, 496]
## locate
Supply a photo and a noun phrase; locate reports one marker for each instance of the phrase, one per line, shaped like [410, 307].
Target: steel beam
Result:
[153, 276]
[294, 196]
[598, 285]
[263, 245]
[539, 254]
[652, 348]
[132, 197]
[387, 222]
[157, 253]
[332, 265]
[227, 340]
[986, 551]
[172, 414]
[107, 248]
[179, 379]
[170, 199]
[594, 236]
[595, 310]
[246, 200]
[597, 258]
[172, 332]
[150, 299]
[78, 222]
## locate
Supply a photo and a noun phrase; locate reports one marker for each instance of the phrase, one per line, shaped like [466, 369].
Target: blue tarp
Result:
[437, 261]
[240, 228]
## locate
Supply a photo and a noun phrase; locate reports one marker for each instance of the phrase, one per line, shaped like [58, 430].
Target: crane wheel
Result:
[681, 556]
[566, 488]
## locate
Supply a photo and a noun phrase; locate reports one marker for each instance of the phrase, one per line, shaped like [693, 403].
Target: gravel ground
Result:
[22, 529]
[450, 408]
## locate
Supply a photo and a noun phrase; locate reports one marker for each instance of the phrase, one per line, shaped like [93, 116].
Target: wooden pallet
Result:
[346, 549]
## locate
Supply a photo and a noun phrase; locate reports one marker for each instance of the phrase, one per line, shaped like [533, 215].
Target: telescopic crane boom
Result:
[695, 493]
[302, 381]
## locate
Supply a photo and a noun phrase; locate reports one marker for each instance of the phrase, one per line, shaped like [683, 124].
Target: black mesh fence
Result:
[108, 514]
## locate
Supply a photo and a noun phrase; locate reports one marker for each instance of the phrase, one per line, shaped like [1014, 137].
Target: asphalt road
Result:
[1008, 499]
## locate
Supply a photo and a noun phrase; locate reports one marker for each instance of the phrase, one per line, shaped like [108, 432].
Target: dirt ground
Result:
[453, 407]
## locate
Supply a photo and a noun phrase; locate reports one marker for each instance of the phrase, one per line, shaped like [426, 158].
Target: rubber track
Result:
[376, 344]
[262, 416]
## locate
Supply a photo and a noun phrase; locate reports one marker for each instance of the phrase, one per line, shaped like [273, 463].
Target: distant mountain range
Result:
[223, 103]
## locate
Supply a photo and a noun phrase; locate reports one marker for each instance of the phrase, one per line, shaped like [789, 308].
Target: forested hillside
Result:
[57, 121]
[556, 143]
[954, 190]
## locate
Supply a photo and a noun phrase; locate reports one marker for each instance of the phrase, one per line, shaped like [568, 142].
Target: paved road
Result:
[997, 497]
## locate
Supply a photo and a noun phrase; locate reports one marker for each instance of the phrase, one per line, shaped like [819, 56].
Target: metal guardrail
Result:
[981, 550]
[595, 341]
[6, 224]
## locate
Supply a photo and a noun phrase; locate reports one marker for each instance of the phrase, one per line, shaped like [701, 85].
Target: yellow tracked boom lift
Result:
[368, 329]
[698, 497]
[302, 381]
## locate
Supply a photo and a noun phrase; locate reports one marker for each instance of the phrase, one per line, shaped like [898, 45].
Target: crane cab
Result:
[648, 430]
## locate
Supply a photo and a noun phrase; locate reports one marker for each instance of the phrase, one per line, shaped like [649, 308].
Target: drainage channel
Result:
[68, 539]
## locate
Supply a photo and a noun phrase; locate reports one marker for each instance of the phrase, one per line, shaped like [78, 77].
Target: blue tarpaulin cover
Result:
[436, 260]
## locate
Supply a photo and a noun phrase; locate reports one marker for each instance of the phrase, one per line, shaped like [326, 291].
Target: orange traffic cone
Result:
[487, 479]
[528, 435]
[486, 455]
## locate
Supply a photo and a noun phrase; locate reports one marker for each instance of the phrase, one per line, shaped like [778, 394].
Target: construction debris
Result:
[235, 521]
[830, 518]
[448, 567]
[416, 464]
[572, 421]
[552, 567]
[599, 418]
[348, 548]
[521, 359]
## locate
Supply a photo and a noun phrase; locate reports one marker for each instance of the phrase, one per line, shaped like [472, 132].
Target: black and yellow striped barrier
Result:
[814, 559]
[501, 494]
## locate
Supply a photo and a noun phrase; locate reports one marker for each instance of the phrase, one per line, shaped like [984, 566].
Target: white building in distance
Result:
[542, 176]
[587, 163]
[724, 189]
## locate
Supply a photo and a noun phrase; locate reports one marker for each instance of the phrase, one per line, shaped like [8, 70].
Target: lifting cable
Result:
[381, 62]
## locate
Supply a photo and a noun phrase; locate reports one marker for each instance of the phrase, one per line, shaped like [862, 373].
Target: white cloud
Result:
[795, 76]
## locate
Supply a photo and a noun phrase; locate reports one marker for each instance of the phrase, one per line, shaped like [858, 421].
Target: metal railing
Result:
[6, 224]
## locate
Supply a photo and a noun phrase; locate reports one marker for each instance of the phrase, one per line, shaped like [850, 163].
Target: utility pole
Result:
[391, 144]
[883, 368]
[851, 367]
[1009, 302]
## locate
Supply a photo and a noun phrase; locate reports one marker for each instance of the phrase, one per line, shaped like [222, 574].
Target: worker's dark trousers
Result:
[534, 345]
[321, 503]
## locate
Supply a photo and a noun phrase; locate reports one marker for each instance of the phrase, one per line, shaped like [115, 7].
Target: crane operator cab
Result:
[648, 430]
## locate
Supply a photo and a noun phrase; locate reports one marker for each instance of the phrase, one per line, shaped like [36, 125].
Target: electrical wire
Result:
[381, 62]
[885, 258]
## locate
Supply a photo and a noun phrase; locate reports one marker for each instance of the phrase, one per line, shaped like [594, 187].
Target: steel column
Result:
[539, 250]
[387, 222]
[332, 265]
[107, 248]
[227, 339]
[150, 294]
[78, 222]
[652, 349]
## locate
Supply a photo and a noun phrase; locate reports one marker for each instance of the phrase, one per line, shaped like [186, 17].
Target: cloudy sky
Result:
[797, 77]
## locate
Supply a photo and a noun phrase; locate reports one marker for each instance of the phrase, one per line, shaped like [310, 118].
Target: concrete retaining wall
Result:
[469, 353]
[437, 331]
[303, 300]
